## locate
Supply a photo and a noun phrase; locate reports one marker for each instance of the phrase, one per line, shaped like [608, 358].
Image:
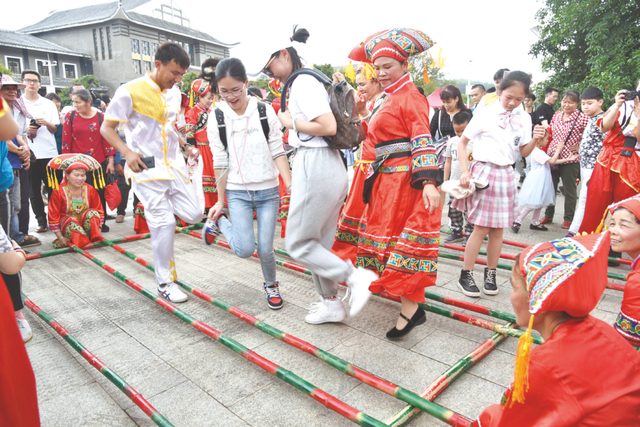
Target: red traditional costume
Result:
[396, 236]
[585, 374]
[78, 219]
[615, 177]
[628, 320]
[197, 119]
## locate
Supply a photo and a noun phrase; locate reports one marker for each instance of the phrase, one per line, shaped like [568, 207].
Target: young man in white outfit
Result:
[146, 109]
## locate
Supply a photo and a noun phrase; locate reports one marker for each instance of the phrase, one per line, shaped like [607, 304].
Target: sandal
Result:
[515, 227]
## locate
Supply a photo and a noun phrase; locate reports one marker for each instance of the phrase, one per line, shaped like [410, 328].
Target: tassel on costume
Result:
[425, 73]
[521, 373]
[350, 72]
[191, 100]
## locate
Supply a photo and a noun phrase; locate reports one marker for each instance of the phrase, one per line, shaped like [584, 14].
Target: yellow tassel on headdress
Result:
[425, 73]
[521, 373]
[350, 72]
[191, 99]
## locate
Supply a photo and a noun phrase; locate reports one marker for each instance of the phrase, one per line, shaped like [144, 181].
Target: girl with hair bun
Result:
[320, 185]
[497, 131]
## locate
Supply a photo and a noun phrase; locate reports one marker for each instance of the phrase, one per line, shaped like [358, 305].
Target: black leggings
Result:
[14, 286]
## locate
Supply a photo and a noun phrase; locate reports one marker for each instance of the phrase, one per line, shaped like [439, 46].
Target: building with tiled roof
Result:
[117, 41]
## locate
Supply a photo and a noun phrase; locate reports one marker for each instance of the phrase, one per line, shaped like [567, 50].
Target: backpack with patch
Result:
[349, 131]
[222, 127]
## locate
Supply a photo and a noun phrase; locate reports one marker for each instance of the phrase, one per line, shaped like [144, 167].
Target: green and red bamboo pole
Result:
[470, 306]
[90, 246]
[333, 361]
[118, 381]
[289, 377]
[434, 389]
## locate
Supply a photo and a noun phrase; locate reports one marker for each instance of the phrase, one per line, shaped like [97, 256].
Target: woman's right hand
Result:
[214, 212]
[465, 179]
[63, 241]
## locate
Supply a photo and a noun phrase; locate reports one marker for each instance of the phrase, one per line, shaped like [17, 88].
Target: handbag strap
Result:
[572, 128]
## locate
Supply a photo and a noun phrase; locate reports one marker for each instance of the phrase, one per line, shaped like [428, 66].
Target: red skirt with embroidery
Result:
[81, 231]
[208, 178]
[398, 237]
[346, 244]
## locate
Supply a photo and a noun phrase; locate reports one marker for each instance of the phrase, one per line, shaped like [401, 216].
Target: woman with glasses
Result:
[246, 170]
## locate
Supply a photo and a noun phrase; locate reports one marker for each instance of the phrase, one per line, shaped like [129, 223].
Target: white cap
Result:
[264, 51]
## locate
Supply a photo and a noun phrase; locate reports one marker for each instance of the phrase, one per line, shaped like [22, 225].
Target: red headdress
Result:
[69, 162]
[397, 43]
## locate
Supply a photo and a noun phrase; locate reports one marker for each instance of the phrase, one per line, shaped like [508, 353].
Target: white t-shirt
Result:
[308, 99]
[44, 143]
[492, 143]
[452, 151]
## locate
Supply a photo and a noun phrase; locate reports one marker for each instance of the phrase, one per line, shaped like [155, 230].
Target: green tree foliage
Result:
[4, 70]
[326, 69]
[187, 79]
[436, 75]
[587, 43]
[262, 83]
[89, 82]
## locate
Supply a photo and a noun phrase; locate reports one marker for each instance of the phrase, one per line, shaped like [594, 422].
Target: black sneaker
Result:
[454, 238]
[467, 285]
[490, 286]
[274, 300]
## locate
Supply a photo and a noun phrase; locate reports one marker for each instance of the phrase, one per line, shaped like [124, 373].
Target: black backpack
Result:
[222, 127]
[349, 131]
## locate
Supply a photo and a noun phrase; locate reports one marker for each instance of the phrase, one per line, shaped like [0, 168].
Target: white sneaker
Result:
[25, 329]
[171, 292]
[327, 310]
[358, 284]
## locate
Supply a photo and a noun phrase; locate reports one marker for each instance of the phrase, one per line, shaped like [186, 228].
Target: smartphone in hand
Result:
[149, 161]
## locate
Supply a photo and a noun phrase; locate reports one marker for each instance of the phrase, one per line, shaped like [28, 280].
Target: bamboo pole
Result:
[118, 381]
[289, 377]
[434, 389]
[346, 368]
[90, 246]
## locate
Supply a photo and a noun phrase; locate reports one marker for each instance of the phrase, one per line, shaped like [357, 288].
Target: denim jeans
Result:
[15, 204]
[239, 228]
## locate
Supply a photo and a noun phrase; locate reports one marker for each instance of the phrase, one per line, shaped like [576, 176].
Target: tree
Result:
[434, 69]
[326, 69]
[4, 70]
[89, 82]
[187, 80]
[587, 43]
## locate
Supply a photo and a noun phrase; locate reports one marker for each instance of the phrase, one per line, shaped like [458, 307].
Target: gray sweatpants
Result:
[319, 189]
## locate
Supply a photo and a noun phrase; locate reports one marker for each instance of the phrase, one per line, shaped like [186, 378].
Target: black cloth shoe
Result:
[538, 227]
[467, 285]
[105, 228]
[490, 287]
[515, 227]
[418, 318]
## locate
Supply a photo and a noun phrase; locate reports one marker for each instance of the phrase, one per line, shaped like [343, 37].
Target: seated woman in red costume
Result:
[197, 120]
[585, 373]
[625, 237]
[75, 210]
[399, 231]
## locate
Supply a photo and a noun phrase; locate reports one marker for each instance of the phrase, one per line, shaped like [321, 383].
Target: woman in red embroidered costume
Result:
[75, 210]
[399, 230]
[197, 120]
[560, 383]
[625, 237]
[347, 234]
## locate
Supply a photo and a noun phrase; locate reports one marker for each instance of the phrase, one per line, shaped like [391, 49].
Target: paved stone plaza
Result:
[195, 381]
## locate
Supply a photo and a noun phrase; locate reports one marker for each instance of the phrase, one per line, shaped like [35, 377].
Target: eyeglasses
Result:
[266, 67]
[236, 92]
[30, 81]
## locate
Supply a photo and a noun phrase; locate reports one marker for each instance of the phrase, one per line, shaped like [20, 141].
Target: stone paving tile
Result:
[444, 347]
[469, 395]
[187, 405]
[281, 405]
[375, 403]
[101, 410]
[497, 366]
[219, 371]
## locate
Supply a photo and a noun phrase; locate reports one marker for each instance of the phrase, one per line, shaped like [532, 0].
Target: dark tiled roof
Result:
[88, 14]
[26, 41]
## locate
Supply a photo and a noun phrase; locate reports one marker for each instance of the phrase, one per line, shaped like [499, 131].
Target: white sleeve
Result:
[311, 96]
[275, 133]
[121, 106]
[52, 111]
[477, 124]
[219, 154]
[526, 133]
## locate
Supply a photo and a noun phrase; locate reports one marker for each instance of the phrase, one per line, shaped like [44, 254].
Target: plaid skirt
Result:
[493, 207]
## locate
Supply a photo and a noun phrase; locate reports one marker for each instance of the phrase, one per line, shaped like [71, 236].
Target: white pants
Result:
[162, 199]
[585, 176]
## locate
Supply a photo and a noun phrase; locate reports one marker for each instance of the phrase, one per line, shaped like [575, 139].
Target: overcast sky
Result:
[492, 34]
